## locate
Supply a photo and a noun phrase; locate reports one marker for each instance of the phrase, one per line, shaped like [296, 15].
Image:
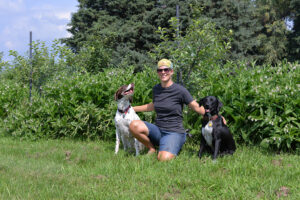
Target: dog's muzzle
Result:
[207, 113]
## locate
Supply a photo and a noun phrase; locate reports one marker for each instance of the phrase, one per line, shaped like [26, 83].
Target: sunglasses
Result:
[167, 70]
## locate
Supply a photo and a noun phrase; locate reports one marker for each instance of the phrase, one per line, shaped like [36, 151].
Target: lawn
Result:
[66, 169]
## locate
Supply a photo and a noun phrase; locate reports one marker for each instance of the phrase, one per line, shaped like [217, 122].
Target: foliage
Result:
[80, 105]
[12, 94]
[274, 35]
[294, 36]
[202, 45]
[274, 42]
[126, 27]
[2, 62]
[240, 18]
[94, 56]
[46, 63]
[261, 103]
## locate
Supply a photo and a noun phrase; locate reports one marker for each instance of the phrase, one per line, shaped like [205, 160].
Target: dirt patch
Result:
[277, 163]
[260, 195]
[3, 168]
[68, 155]
[282, 192]
[100, 177]
[174, 194]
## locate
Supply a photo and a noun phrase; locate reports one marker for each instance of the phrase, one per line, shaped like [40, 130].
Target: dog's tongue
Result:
[207, 110]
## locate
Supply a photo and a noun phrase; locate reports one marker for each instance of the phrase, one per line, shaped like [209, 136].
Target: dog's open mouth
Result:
[129, 89]
[207, 112]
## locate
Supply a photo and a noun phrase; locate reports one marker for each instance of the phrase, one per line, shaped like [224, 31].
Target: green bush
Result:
[80, 105]
[261, 103]
[12, 94]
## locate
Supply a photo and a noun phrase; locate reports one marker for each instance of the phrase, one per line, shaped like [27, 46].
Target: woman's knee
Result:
[134, 125]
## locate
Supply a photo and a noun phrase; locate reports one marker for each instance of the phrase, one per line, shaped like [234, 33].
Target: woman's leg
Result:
[170, 145]
[140, 131]
[165, 156]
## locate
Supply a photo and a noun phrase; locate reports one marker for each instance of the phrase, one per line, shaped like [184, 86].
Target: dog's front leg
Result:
[117, 141]
[217, 148]
[137, 147]
[202, 146]
[200, 151]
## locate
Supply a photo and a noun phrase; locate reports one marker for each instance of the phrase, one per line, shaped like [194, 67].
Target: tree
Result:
[196, 53]
[294, 37]
[239, 17]
[2, 63]
[259, 27]
[273, 37]
[127, 27]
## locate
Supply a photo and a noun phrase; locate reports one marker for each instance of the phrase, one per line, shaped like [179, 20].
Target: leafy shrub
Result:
[80, 105]
[45, 64]
[261, 103]
[11, 95]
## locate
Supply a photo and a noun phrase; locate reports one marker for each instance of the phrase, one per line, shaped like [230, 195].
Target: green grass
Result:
[64, 169]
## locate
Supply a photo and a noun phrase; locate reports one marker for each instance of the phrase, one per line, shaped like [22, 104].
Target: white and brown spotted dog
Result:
[124, 116]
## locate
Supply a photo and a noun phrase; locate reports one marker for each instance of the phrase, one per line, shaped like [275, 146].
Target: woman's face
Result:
[164, 73]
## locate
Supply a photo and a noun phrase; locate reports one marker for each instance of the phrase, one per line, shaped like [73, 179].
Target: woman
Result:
[168, 99]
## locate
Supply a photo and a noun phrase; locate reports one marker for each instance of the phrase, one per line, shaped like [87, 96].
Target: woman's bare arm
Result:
[195, 106]
[144, 108]
[200, 109]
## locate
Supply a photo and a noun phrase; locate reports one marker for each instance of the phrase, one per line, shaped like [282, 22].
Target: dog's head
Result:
[125, 91]
[211, 104]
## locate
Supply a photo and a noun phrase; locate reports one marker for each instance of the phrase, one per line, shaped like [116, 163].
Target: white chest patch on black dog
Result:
[207, 133]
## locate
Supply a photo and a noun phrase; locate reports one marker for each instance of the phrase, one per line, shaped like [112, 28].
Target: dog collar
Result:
[124, 111]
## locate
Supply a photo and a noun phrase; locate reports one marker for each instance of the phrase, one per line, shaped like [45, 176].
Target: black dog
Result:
[216, 137]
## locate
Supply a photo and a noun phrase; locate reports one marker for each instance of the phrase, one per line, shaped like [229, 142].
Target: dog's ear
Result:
[201, 101]
[116, 95]
[220, 105]
[119, 91]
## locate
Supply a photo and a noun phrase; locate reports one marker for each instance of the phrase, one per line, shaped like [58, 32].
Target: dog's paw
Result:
[214, 161]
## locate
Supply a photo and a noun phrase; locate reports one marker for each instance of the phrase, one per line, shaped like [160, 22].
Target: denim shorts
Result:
[167, 141]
